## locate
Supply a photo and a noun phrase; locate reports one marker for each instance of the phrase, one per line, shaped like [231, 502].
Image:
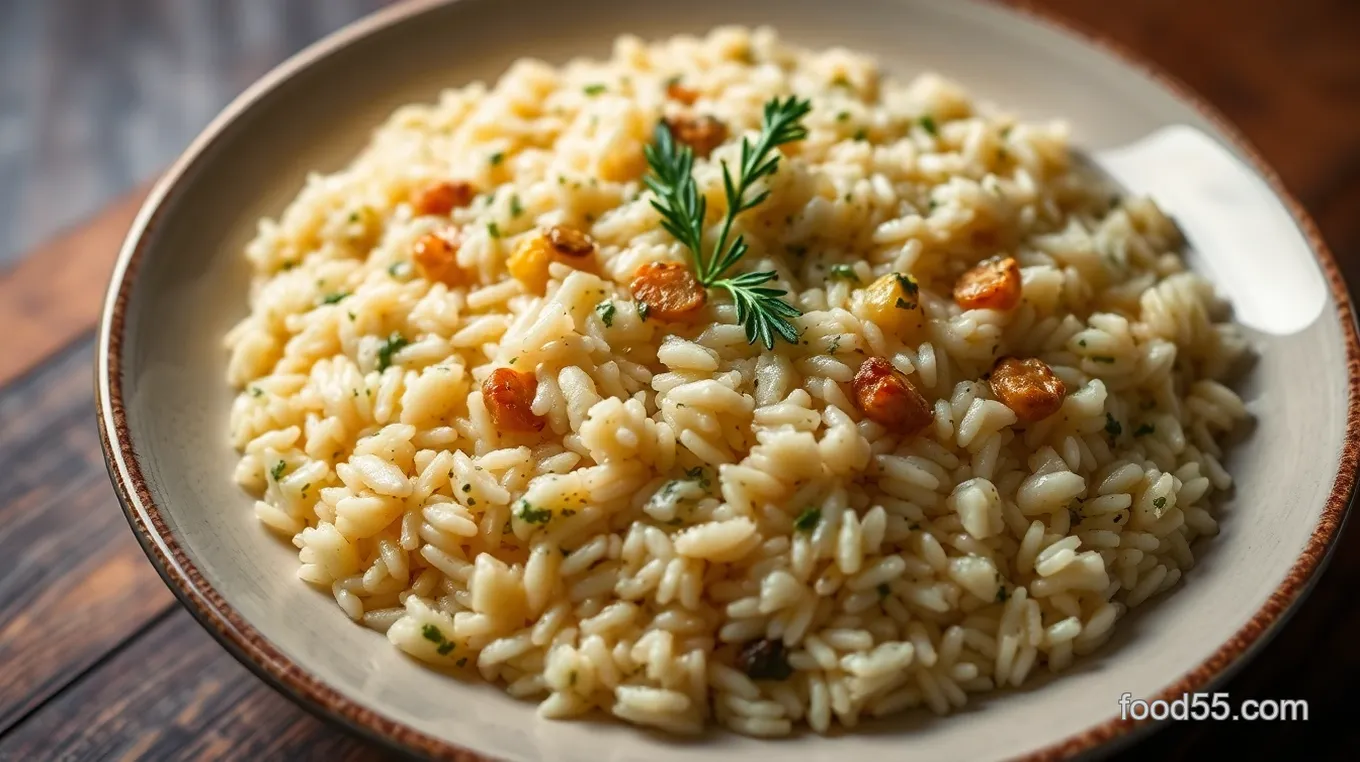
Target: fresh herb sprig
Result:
[760, 310]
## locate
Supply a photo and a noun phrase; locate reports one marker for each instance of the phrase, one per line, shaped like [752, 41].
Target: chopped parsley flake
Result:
[843, 116]
[643, 310]
[1102, 358]
[1159, 503]
[493, 230]
[884, 590]
[928, 124]
[1112, 426]
[390, 346]
[277, 471]
[908, 284]
[843, 272]
[399, 269]
[699, 475]
[808, 520]
[496, 158]
[515, 208]
[334, 298]
[606, 312]
[462, 662]
[860, 134]
[903, 304]
[256, 391]
[594, 90]
[1144, 430]
[531, 515]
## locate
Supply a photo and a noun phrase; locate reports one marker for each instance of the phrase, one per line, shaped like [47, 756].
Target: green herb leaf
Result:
[759, 309]
[808, 520]
[698, 474]
[493, 230]
[1159, 503]
[496, 158]
[843, 272]
[643, 310]
[928, 124]
[884, 591]
[256, 391]
[334, 298]
[1144, 430]
[515, 208]
[531, 515]
[606, 312]
[445, 648]
[432, 633]
[390, 346]
[594, 90]
[1112, 426]
[277, 471]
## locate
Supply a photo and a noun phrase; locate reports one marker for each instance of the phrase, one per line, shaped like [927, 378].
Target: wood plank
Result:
[176, 694]
[75, 583]
[55, 294]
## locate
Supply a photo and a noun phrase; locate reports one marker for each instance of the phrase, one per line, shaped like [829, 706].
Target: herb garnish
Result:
[593, 90]
[334, 298]
[1144, 430]
[390, 346]
[435, 635]
[808, 520]
[1112, 426]
[759, 309]
[928, 124]
[606, 311]
[698, 474]
[277, 470]
[531, 515]
[843, 272]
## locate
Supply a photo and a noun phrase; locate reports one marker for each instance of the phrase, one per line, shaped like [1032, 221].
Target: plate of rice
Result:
[524, 381]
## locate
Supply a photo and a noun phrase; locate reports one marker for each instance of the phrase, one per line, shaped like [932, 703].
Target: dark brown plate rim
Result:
[249, 646]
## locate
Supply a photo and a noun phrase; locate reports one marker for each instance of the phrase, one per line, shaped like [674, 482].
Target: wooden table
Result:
[98, 661]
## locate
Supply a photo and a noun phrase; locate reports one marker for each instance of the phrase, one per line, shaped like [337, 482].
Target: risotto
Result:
[491, 395]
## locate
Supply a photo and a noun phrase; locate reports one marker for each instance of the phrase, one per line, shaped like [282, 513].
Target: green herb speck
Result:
[531, 515]
[843, 272]
[606, 311]
[277, 471]
[256, 391]
[808, 520]
[493, 230]
[515, 208]
[593, 90]
[496, 158]
[928, 124]
[334, 298]
[1144, 430]
[390, 346]
[1112, 426]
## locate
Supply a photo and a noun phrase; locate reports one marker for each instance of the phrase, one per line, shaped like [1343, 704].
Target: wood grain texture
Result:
[175, 694]
[75, 583]
[97, 662]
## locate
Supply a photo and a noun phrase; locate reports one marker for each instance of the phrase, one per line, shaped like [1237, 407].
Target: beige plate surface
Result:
[181, 283]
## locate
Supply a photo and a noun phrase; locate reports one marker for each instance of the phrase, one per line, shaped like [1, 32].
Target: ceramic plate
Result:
[181, 283]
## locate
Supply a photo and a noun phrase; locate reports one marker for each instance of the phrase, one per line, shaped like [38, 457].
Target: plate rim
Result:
[249, 646]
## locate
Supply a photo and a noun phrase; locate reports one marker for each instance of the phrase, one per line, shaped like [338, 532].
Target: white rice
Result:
[956, 561]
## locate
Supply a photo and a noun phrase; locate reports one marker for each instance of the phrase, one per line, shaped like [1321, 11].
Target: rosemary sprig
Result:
[760, 310]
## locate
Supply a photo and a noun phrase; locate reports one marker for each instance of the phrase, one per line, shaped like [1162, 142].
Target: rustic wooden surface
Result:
[97, 661]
